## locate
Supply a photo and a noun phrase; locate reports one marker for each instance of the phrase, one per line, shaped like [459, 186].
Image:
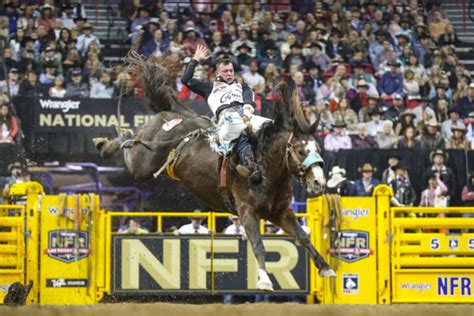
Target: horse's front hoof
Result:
[99, 142]
[327, 273]
[265, 286]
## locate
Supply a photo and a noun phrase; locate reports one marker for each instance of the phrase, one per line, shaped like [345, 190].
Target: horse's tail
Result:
[156, 78]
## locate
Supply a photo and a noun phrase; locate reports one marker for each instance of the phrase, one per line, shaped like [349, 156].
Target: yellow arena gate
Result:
[382, 255]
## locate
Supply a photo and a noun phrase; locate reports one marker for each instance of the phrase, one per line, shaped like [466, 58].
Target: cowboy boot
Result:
[248, 168]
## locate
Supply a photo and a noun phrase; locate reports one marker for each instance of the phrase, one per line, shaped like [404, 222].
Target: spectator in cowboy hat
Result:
[373, 101]
[409, 139]
[236, 228]
[446, 126]
[391, 81]
[389, 173]
[360, 101]
[404, 194]
[397, 108]
[338, 183]
[466, 103]
[431, 137]
[407, 119]
[195, 227]
[295, 58]
[458, 140]
[337, 139]
[366, 184]
[423, 106]
[85, 39]
[438, 157]
[375, 125]
[77, 88]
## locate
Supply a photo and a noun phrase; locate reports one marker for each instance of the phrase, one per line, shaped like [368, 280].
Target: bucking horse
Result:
[177, 137]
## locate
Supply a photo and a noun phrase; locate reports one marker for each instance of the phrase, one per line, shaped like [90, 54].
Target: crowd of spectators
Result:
[382, 74]
[51, 50]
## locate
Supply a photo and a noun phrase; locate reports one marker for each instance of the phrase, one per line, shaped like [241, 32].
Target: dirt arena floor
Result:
[166, 309]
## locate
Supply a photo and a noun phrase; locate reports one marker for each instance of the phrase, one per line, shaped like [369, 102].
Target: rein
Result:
[290, 152]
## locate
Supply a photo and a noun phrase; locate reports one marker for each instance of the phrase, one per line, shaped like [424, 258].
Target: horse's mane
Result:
[282, 117]
[157, 77]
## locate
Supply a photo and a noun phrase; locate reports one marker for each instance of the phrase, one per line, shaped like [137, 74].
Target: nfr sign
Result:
[454, 286]
[184, 264]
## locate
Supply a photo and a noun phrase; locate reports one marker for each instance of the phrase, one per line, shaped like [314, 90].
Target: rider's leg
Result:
[248, 166]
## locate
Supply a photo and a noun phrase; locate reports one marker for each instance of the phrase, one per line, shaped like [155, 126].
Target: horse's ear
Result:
[314, 126]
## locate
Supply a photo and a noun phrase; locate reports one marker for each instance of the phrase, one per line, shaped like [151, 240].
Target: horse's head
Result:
[303, 150]
[304, 160]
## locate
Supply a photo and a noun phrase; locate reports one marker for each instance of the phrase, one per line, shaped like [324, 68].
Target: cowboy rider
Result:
[229, 101]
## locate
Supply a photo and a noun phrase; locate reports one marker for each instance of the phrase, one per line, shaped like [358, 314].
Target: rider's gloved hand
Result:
[248, 110]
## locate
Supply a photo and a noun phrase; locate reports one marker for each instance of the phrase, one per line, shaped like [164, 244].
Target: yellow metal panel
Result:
[430, 223]
[5, 237]
[66, 275]
[356, 280]
[8, 261]
[437, 262]
[8, 249]
[433, 286]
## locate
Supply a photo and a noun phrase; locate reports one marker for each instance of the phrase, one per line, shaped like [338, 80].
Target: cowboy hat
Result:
[408, 112]
[337, 175]
[87, 26]
[337, 170]
[367, 167]
[316, 45]
[17, 165]
[362, 83]
[459, 127]
[374, 111]
[190, 29]
[243, 45]
[374, 96]
[438, 152]
[339, 124]
[433, 123]
[393, 63]
[196, 214]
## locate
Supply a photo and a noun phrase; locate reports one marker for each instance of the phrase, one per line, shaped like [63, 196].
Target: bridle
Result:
[302, 166]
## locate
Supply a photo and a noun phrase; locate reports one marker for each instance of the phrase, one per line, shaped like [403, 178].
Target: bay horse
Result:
[284, 147]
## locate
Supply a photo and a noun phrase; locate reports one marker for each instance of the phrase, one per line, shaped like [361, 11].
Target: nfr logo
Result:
[452, 286]
[68, 245]
[352, 246]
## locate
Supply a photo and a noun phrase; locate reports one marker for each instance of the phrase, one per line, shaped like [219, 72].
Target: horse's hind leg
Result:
[289, 223]
[252, 230]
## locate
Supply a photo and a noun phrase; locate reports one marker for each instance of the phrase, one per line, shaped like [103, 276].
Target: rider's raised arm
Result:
[201, 87]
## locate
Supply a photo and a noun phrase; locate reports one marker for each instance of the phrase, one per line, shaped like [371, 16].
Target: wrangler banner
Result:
[78, 115]
[204, 264]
